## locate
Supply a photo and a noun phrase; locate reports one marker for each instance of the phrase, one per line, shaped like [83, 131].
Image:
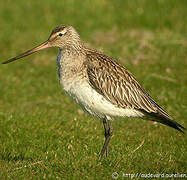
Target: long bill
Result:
[44, 45]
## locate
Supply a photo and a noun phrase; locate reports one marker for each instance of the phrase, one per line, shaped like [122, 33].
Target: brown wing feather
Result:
[117, 85]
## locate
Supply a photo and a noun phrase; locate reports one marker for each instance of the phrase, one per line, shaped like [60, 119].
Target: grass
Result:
[44, 134]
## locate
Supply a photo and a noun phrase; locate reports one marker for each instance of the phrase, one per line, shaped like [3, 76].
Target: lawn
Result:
[45, 135]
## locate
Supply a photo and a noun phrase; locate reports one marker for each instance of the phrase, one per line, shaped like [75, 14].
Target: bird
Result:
[99, 84]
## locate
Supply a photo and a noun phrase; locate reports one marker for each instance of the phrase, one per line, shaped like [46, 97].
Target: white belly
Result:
[94, 103]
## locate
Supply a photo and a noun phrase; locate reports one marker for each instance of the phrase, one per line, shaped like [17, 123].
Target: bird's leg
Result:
[108, 134]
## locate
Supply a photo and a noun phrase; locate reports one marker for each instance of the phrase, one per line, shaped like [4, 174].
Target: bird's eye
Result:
[60, 34]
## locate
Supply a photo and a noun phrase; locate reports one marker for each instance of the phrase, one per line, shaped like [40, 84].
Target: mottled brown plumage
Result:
[100, 85]
[118, 85]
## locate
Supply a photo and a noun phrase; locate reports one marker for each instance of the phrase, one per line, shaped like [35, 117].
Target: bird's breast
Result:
[70, 71]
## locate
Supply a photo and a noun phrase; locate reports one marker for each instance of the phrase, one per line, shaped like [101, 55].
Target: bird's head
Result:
[64, 37]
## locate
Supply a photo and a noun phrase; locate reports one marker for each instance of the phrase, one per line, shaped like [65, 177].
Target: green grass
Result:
[44, 134]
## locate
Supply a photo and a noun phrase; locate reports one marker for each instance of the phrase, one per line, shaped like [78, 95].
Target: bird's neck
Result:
[74, 47]
[70, 61]
[73, 52]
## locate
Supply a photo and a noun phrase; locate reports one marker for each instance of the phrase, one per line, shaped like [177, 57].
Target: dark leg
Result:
[108, 134]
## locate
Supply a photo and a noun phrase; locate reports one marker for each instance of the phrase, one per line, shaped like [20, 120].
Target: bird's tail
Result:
[162, 117]
[168, 121]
